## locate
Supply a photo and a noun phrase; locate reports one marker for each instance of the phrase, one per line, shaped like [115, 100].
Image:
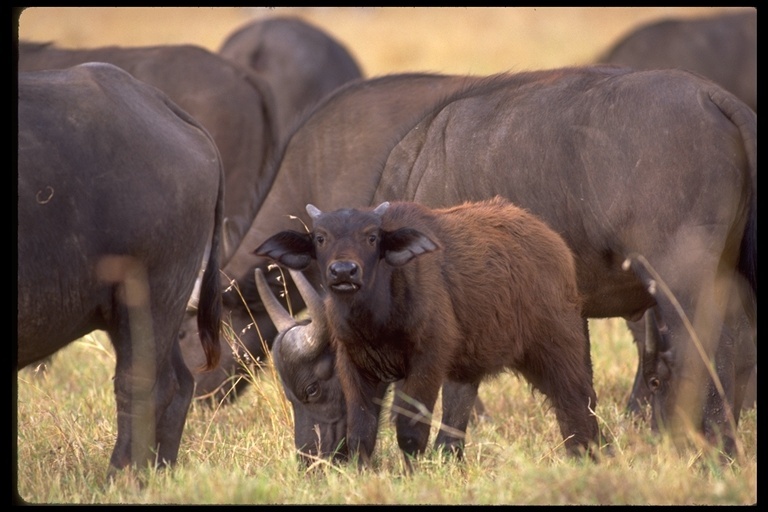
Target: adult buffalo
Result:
[723, 48]
[236, 107]
[300, 62]
[613, 199]
[119, 194]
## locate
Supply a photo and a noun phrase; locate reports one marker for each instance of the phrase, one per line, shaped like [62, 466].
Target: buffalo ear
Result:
[401, 246]
[293, 249]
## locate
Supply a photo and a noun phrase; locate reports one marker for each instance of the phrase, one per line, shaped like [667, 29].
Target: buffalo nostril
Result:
[343, 269]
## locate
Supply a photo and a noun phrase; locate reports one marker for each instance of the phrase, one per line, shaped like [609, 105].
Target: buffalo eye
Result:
[319, 240]
[372, 240]
[654, 383]
[312, 391]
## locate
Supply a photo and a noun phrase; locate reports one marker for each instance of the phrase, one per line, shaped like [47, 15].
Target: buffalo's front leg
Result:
[458, 400]
[363, 396]
[363, 423]
[416, 402]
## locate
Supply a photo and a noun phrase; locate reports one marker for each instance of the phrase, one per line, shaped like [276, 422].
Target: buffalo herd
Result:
[457, 221]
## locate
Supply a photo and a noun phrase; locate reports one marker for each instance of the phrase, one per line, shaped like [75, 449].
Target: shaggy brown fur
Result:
[454, 294]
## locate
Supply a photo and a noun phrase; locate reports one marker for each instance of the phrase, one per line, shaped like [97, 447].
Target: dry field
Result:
[384, 40]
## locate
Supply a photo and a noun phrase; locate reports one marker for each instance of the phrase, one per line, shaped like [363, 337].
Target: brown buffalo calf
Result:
[440, 296]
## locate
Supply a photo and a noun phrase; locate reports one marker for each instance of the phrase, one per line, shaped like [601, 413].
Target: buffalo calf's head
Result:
[347, 245]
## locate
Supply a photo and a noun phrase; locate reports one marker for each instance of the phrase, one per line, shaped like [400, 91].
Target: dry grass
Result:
[243, 453]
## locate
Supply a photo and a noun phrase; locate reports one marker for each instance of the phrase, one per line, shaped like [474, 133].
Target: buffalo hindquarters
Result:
[120, 201]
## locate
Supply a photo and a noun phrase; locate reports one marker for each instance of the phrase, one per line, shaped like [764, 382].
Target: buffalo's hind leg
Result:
[134, 385]
[561, 369]
[175, 387]
[153, 387]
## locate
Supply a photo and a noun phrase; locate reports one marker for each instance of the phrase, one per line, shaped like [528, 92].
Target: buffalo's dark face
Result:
[349, 245]
[311, 385]
[347, 249]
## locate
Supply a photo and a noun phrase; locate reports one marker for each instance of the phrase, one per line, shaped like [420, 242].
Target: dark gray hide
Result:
[606, 156]
[238, 111]
[119, 196]
[300, 62]
[236, 107]
[723, 48]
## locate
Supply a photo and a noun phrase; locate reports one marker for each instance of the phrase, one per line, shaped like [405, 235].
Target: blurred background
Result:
[481, 40]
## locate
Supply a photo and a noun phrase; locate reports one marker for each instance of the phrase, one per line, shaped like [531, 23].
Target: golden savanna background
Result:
[480, 40]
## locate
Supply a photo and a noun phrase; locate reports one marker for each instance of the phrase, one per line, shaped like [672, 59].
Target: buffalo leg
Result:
[735, 362]
[690, 400]
[640, 396]
[458, 401]
[363, 397]
[175, 387]
[561, 371]
[134, 400]
[478, 412]
[418, 396]
[745, 392]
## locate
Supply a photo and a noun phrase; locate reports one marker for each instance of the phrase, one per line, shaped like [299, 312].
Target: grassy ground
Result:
[242, 454]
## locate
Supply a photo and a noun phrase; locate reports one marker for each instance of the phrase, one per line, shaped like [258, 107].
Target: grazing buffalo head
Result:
[304, 360]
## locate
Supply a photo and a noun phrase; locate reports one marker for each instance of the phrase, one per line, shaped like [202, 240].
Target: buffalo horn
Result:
[314, 336]
[279, 316]
[379, 210]
[311, 298]
[655, 333]
[313, 211]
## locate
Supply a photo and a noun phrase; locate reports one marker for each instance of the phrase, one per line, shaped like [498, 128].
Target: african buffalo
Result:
[428, 295]
[120, 192]
[238, 110]
[300, 62]
[236, 107]
[723, 48]
[606, 156]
